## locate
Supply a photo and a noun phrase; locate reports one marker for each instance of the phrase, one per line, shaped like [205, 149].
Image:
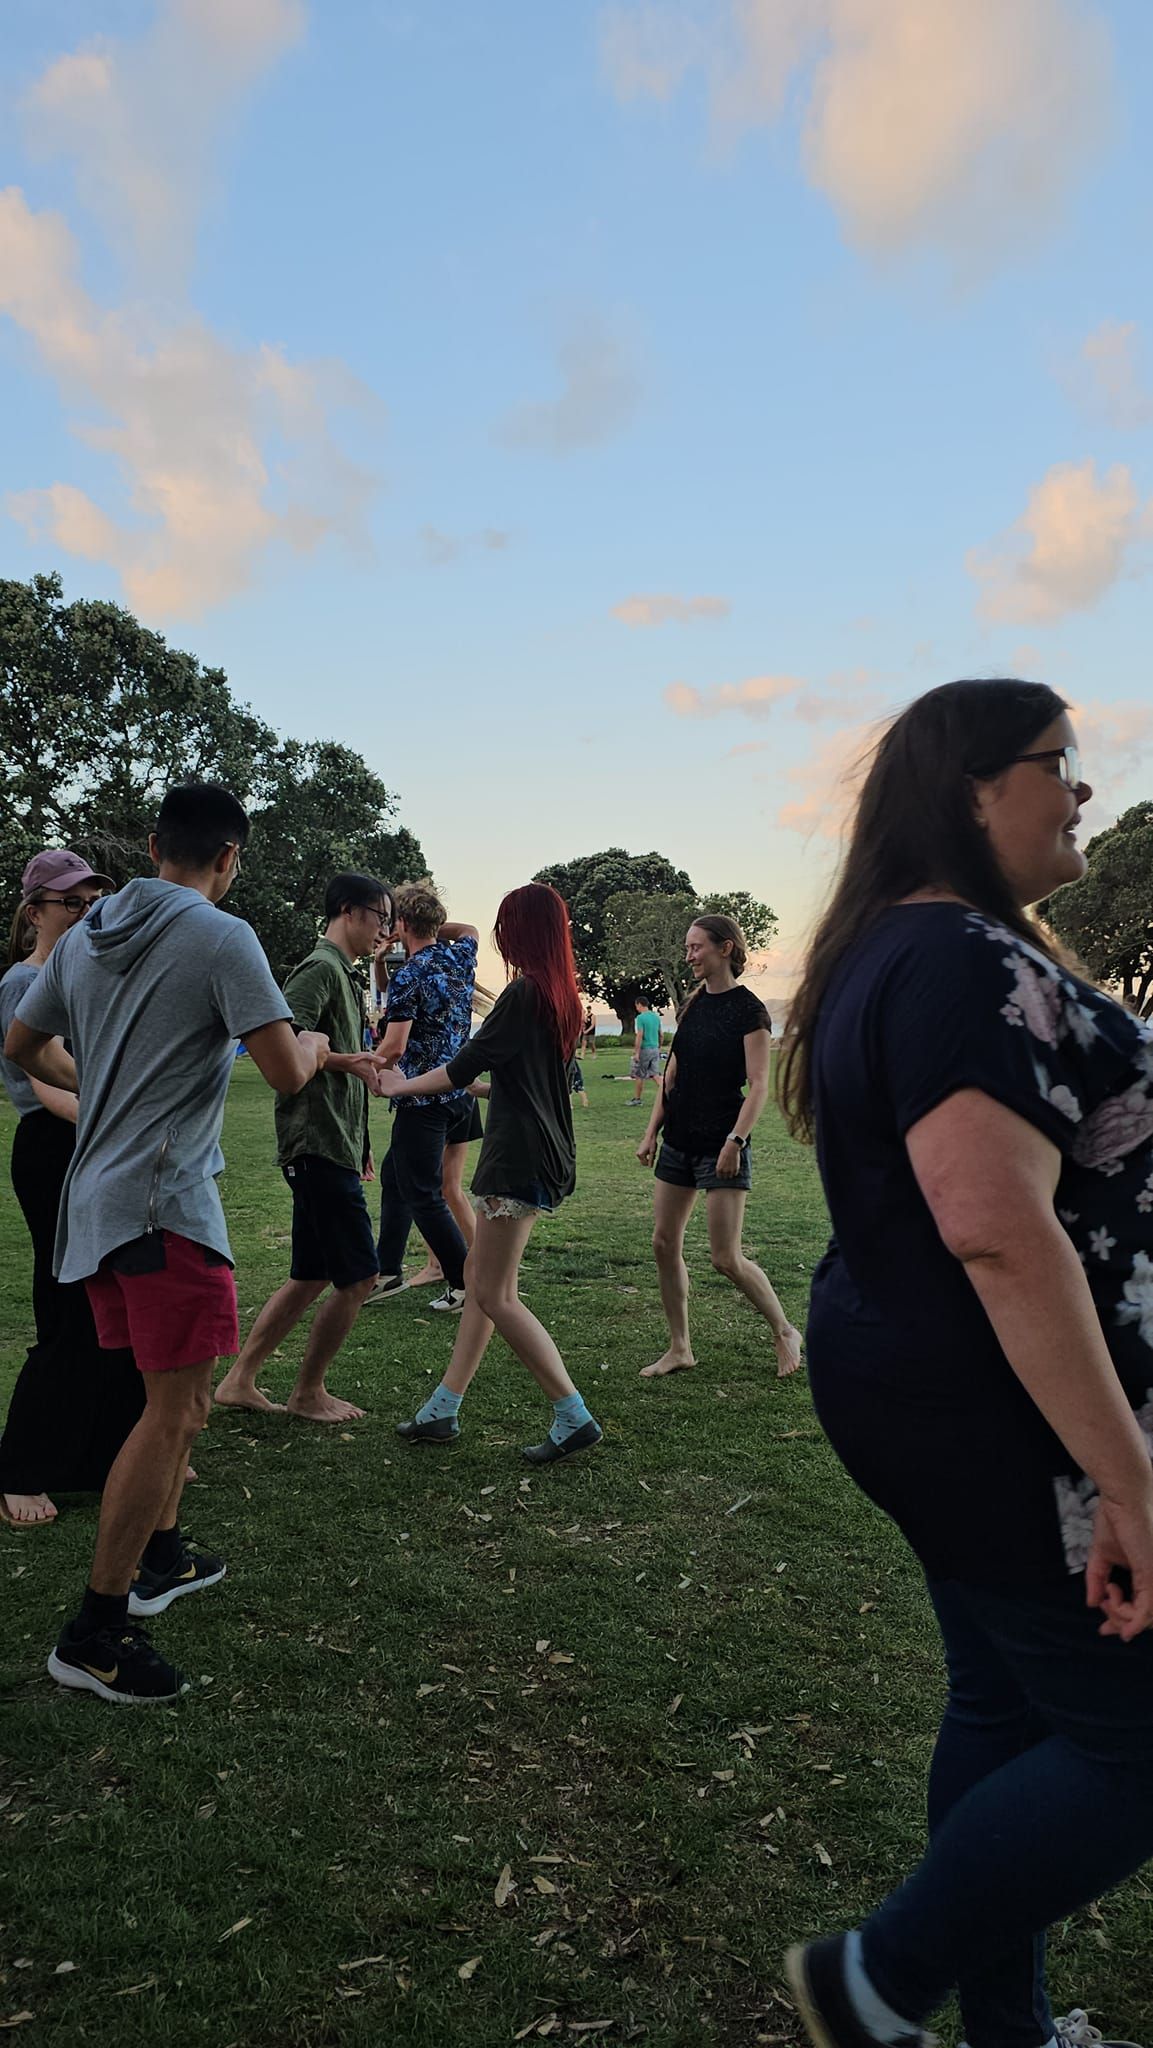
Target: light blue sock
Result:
[440, 1406]
[567, 1416]
[877, 2018]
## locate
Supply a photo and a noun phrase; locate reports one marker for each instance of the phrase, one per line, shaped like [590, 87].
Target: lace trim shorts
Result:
[505, 1208]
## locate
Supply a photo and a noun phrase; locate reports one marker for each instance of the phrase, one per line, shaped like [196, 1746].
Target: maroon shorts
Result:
[172, 1301]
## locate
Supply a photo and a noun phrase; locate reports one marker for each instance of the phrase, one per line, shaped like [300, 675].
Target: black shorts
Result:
[699, 1170]
[332, 1235]
[464, 1124]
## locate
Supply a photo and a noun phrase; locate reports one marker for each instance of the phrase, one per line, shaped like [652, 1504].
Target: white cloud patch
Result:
[1115, 740]
[141, 120]
[218, 452]
[1111, 379]
[755, 697]
[600, 392]
[955, 123]
[663, 609]
[1078, 534]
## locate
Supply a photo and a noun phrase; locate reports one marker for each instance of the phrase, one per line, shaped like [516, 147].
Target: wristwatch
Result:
[735, 1138]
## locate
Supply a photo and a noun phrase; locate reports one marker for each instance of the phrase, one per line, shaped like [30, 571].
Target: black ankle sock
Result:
[163, 1548]
[101, 1610]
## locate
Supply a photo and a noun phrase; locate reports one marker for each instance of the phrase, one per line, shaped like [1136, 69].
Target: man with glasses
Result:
[153, 988]
[323, 1151]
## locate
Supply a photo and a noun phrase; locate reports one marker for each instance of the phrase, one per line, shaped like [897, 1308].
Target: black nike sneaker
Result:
[117, 1664]
[816, 1975]
[152, 1591]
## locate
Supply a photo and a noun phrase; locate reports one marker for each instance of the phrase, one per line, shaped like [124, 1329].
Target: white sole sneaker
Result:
[380, 1294]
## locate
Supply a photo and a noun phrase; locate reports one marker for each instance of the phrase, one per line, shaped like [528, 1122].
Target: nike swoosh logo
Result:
[105, 1677]
[190, 1573]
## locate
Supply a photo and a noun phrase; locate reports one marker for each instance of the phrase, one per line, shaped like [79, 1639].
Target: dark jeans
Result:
[72, 1405]
[1040, 1799]
[410, 1192]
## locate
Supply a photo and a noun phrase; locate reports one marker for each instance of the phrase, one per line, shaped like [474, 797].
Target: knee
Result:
[728, 1262]
[489, 1300]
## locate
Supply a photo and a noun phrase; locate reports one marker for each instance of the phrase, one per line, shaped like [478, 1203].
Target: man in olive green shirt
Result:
[323, 1151]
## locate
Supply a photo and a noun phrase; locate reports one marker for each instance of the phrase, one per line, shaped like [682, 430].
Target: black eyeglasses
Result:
[1068, 763]
[235, 845]
[73, 904]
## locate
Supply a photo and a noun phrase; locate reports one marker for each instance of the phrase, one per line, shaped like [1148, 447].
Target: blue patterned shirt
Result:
[433, 993]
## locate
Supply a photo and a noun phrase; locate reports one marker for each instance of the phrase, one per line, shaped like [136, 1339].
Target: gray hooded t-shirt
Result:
[152, 990]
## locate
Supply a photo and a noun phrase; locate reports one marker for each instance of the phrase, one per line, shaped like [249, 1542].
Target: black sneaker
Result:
[152, 1591]
[816, 1975]
[384, 1287]
[444, 1430]
[547, 1453]
[116, 1664]
[450, 1303]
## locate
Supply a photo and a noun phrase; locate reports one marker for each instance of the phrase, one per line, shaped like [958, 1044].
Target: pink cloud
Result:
[1074, 540]
[664, 609]
[755, 697]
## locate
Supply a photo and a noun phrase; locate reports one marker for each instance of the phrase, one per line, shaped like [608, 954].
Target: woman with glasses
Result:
[981, 1349]
[73, 1404]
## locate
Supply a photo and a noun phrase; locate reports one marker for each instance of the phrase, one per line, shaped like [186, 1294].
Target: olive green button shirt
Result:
[329, 1117]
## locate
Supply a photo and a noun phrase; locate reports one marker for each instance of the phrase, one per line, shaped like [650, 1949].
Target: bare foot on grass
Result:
[190, 1474]
[673, 1361]
[28, 1510]
[323, 1407]
[789, 1344]
[235, 1393]
[428, 1275]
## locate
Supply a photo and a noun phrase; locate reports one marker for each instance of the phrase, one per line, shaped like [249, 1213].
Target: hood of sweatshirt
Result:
[120, 930]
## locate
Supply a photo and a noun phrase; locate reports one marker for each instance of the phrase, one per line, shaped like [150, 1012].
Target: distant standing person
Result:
[527, 1165]
[323, 1152]
[428, 1019]
[153, 988]
[72, 1405]
[705, 1119]
[646, 1059]
[589, 1032]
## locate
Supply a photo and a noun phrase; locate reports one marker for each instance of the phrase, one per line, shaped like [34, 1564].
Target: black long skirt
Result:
[73, 1404]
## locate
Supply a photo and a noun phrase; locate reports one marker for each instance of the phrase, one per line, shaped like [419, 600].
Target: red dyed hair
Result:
[532, 934]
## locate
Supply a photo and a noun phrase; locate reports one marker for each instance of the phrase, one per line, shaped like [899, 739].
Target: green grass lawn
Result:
[475, 1755]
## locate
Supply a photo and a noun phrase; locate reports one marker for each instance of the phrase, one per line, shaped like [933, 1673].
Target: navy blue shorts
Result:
[464, 1125]
[332, 1234]
[699, 1170]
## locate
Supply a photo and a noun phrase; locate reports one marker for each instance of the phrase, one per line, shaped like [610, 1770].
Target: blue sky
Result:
[379, 353]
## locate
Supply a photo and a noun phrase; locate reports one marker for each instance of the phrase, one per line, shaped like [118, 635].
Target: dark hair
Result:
[420, 908]
[22, 934]
[915, 828]
[532, 933]
[351, 891]
[198, 819]
[719, 929]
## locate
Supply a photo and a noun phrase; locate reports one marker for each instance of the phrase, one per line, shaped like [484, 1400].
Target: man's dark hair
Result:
[196, 820]
[359, 892]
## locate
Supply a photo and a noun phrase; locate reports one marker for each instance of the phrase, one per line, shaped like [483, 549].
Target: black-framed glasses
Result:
[236, 869]
[1068, 761]
[75, 905]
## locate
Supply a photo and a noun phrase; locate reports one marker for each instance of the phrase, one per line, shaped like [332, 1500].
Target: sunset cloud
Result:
[1115, 739]
[141, 119]
[600, 392]
[826, 784]
[663, 610]
[222, 451]
[925, 122]
[1076, 537]
[755, 697]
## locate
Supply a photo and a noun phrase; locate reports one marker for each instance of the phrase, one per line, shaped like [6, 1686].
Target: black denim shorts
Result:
[699, 1170]
[332, 1235]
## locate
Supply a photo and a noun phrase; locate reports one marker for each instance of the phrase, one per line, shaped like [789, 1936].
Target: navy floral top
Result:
[908, 1377]
[433, 992]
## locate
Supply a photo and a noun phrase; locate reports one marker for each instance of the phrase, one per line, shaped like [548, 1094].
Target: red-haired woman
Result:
[527, 1164]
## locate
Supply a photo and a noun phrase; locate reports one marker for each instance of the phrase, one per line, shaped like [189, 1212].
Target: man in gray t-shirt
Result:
[152, 991]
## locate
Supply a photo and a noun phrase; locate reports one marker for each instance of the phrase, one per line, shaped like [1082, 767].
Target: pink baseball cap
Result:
[57, 868]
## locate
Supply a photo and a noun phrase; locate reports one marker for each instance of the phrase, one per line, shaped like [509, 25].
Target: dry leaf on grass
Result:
[822, 1855]
[17, 2019]
[237, 1927]
[543, 1884]
[362, 1962]
[468, 1969]
[504, 1885]
[130, 1990]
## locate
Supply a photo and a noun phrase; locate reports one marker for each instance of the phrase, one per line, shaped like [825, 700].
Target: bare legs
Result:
[672, 1208]
[142, 1491]
[725, 1209]
[492, 1301]
[309, 1398]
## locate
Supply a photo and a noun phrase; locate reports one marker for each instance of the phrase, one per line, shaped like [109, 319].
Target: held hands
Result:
[317, 1043]
[1122, 1536]
[389, 1080]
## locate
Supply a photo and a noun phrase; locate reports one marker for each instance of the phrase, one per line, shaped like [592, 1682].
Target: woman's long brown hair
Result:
[915, 828]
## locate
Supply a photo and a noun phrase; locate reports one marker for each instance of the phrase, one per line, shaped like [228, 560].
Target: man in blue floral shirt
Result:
[428, 1019]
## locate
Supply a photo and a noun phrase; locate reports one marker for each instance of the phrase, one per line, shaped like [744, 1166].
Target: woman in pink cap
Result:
[73, 1404]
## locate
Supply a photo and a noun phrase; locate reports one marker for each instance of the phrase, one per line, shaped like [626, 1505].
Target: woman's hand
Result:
[729, 1160]
[647, 1149]
[1122, 1536]
[389, 1080]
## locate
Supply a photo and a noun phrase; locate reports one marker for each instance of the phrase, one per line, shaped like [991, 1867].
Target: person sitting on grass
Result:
[527, 1165]
[722, 1040]
[152, 989]
[323, 1152]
